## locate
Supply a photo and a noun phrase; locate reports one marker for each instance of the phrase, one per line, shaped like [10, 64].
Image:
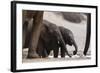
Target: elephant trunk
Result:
[75, 45]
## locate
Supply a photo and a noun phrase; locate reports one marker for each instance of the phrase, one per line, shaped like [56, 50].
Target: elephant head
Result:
[68, 37]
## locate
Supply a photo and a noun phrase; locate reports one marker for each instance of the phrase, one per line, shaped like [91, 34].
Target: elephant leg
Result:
[56, 51]
[27, 39]
[62, 53]
[35, 33]
[44, 53]
[25, 31]
[48, 51]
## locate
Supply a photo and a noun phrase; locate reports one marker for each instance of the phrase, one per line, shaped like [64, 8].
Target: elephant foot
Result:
[62, 55]
[70, 56]
[55, 56]
[44, 56]
[84, 53]
[74, 52]
[33, 55]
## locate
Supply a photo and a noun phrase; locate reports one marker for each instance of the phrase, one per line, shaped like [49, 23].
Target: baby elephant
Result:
[68, 39]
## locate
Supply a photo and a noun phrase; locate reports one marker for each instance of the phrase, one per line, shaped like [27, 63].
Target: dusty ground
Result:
[50, 58]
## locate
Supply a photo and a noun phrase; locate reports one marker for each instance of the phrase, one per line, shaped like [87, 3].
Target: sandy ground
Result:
[50, 58]
[79, 31]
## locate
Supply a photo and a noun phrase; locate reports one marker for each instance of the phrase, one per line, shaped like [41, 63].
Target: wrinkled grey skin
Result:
[48, 40]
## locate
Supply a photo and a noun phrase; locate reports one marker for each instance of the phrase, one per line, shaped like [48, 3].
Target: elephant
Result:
[53, 43]
[68, 38]
[50, 39]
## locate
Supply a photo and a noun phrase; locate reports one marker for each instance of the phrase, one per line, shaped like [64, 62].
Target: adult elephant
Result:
[50, 39]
